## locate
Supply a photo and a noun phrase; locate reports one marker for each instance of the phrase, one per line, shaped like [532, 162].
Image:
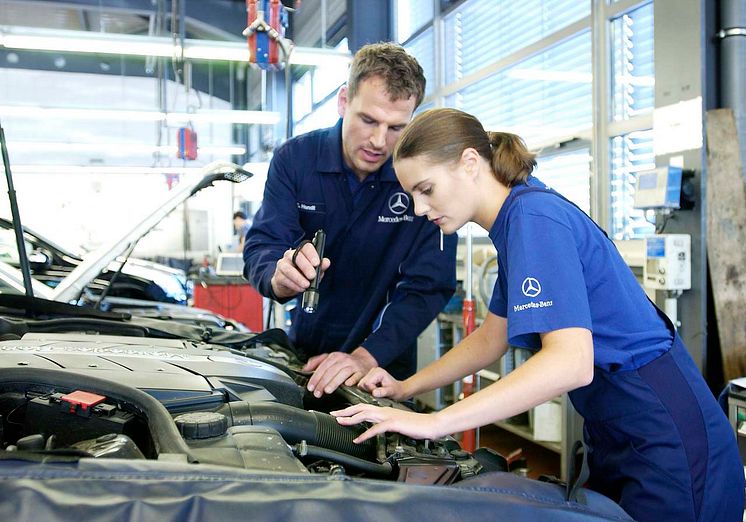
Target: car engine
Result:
[66, 396]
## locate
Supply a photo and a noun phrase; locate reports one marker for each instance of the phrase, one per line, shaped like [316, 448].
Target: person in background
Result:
[386, 272]
[657, 441]
[241, 225]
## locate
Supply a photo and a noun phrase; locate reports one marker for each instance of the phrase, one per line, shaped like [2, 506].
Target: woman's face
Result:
[440, 191]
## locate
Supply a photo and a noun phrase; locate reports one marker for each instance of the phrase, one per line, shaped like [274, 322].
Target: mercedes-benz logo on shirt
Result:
[399, 203]
[531, 287]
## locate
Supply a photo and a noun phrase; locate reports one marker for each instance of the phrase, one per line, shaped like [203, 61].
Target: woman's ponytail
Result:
[511, 161]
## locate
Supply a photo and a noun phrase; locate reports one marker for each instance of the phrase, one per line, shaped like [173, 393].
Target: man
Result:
[241, 225]
[387, 273]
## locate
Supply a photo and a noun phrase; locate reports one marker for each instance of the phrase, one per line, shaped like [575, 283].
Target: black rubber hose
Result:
[374, 468]
[163, 431]
[318, 429]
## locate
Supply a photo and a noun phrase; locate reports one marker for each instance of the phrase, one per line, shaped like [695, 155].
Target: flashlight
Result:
[311, 295]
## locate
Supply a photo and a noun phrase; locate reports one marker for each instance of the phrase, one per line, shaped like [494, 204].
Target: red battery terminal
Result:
[84, 400]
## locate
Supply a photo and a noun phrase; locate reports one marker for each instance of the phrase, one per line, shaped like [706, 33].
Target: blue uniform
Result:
[388, 277]
[658, 443]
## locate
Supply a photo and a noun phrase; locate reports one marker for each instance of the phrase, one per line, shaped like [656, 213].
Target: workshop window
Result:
[411, 15]
[630, 154]
[481, 32]
[544, 99]
[568, 171]
[632, 63]
[422, 47]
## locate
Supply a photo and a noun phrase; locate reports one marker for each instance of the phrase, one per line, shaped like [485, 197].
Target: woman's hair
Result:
[442, 135]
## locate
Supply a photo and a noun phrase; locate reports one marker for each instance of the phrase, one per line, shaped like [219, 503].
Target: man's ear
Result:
[342, 101]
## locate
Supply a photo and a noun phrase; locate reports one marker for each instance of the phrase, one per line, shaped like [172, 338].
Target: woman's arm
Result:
[565, 362]
[480, 349]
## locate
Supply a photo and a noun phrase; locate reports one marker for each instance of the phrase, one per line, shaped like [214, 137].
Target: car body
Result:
[139, 279]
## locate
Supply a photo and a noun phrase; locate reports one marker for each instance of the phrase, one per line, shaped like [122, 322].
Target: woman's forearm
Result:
[480, 349]
[557, 368]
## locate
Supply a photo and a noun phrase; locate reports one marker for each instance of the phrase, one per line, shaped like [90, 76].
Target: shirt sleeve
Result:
[545, 285]
[276, 226]
[426, 282]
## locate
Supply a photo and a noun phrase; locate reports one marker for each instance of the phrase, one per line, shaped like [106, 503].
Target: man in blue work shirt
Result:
[387, 272]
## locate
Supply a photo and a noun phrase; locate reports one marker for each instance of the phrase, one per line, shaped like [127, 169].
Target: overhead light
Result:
[118, 148]
[32, 38]
[225, 116]
[93, 169]
[72, 113]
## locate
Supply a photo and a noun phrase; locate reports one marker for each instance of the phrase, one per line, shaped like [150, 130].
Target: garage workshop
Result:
[372, 260]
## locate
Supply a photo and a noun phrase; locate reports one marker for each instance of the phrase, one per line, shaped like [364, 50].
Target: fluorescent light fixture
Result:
[104, 169]
[118, 148]
[72, 113]
[31, 38]
[225, 116]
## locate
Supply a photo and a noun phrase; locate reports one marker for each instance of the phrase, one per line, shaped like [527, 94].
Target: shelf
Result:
[525, 432]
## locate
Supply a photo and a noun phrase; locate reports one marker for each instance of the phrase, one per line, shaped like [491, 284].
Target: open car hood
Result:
[96, 261]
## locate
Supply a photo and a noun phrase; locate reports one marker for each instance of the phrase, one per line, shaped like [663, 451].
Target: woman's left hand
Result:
[415, 425]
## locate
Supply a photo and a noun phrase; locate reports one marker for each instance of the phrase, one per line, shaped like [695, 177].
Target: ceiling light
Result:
[208, 116]
[92, 169]
[31, 38]
[118, 148]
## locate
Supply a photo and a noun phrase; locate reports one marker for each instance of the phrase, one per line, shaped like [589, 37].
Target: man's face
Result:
[371, 125]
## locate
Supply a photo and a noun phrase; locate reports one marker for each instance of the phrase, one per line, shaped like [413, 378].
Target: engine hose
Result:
[163, 431]
[318, 429]
[374, 468]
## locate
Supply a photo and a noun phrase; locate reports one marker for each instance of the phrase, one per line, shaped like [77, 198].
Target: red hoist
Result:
[266, 21]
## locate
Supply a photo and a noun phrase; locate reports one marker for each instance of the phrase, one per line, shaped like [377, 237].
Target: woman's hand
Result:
[415, 425]
[379, 383]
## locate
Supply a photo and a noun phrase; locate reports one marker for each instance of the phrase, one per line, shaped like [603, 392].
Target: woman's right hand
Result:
[379, 383]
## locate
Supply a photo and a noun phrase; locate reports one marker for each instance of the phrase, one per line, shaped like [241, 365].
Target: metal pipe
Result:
[16, 215]
[733, 64]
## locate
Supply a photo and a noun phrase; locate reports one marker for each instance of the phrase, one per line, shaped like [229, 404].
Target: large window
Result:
[632, 67]
[411, 15]
[632, 97]
[422, 47]
[547, 97]
[568, 171]
[630, 154]
[480, 32]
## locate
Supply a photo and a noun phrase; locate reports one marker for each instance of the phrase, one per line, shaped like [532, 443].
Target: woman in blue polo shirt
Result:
[658, 443]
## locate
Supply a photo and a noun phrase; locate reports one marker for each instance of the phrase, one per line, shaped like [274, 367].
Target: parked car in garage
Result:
[139, 278]
[139, 287]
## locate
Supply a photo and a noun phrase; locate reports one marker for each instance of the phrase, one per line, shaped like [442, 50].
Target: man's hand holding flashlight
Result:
[291, 278]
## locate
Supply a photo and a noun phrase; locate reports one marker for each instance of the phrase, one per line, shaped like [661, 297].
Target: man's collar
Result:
[330, 155]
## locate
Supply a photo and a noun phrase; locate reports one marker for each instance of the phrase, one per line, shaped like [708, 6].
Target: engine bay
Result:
[67, 396]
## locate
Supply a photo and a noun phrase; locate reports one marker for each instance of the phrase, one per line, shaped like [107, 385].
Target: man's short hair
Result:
[239, 214]
[400, 71]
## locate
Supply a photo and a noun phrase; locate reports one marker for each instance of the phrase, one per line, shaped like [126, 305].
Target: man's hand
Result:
[331, 370]
[379, 383]
[291, 278]
[415, 425]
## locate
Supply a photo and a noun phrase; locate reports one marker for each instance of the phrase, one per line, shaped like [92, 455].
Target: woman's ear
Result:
[470, 161]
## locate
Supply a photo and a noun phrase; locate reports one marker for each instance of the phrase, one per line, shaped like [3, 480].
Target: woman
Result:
[658, 443]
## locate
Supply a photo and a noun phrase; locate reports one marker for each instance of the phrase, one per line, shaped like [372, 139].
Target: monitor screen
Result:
[229, 264]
